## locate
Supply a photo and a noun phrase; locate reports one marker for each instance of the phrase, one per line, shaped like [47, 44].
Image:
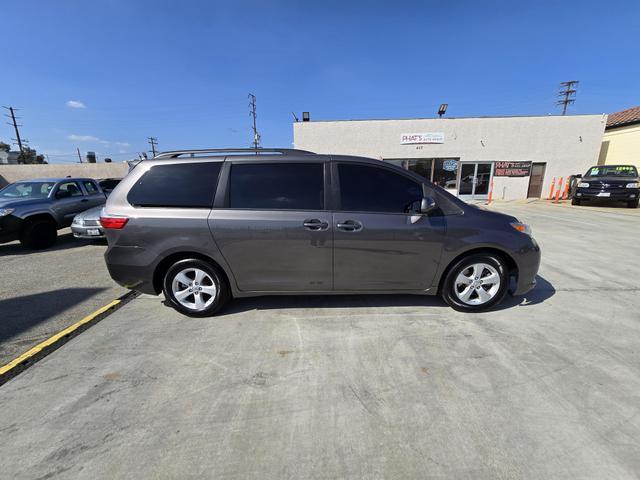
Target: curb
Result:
[41, 350]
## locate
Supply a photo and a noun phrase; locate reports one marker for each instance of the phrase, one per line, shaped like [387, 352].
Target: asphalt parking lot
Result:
[45, 291]
[548, 386]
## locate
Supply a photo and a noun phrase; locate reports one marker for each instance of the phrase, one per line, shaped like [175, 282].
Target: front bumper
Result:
[614, 195]
[528, 260]
[89, 232]
[10, 228]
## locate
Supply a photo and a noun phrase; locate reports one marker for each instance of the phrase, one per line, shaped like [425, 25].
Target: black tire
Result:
[220, 298]
[38, 234]
[448, 291]
[575, 201]
[633, 203]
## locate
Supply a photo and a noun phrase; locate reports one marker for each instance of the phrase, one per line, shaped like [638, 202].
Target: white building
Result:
[517, 157]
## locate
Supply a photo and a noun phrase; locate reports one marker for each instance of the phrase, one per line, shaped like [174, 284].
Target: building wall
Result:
[13, 173]
[621, 145]
[567, 144]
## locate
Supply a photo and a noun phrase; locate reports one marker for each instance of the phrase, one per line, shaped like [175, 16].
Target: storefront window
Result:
[421, 167]
[441, 171]
[445, 171]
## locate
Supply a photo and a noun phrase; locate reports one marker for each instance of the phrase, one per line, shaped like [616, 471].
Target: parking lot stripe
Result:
[38, 352]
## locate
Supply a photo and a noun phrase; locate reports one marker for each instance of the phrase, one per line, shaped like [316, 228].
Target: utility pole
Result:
[12, 115]
[79, 156]
[569, 93]
[252, 112]
[153, 141]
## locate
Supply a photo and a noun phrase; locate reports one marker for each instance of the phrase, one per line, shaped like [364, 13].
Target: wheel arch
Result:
[512, 266]
[165, 264]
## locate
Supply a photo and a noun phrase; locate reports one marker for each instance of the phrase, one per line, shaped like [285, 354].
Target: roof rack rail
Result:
[179, 153]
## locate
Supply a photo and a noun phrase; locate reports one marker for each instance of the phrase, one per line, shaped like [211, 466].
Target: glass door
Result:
[475, 180]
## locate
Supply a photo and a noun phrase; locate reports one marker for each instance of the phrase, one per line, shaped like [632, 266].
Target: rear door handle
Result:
[349, 226]
[315, 224]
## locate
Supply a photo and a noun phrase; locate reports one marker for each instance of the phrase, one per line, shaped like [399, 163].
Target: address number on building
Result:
[512, 169]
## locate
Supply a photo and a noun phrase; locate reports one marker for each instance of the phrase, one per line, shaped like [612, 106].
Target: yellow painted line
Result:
[50, 341]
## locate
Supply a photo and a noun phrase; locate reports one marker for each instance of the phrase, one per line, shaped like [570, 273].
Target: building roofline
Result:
[454, 118]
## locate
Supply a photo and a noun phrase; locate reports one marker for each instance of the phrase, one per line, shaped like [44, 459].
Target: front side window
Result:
[277, 186]
[72, 188]
[179, 185]
[365, 188]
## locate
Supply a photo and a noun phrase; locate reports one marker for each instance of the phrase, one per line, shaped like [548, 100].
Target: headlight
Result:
[633, 185]
[583, 185]
[521, 227]
[77, 221]
[6, 211]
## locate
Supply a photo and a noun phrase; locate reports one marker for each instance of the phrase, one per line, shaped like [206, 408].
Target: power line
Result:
[252, 112]
[12, 115]
[569, 93]
[153, 141]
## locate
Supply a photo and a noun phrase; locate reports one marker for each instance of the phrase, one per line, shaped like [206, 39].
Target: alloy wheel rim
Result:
[194, 289]
[477, 284]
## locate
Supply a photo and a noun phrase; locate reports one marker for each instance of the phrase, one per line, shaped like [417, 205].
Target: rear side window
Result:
[180, 185]
[277, 186]
[365, 188]
[90, 187]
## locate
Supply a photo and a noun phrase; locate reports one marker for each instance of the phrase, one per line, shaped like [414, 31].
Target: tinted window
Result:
[90, 187]
[373, 189]
[72, 187]
[109, 184]
[277, 186]
[186, 185]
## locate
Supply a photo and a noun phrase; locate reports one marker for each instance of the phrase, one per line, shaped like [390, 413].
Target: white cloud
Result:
[83, 138]
[75, 104]
[123, 144]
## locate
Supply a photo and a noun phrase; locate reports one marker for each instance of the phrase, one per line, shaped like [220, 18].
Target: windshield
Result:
[27, 190]
[613, 171]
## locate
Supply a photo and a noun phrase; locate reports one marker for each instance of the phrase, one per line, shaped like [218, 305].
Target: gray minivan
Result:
[203, 226]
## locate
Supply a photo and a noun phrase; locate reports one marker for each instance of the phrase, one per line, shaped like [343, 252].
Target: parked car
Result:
[611, 183]
[32, 211]
[87, 224]
[275, 221]
[108, 184]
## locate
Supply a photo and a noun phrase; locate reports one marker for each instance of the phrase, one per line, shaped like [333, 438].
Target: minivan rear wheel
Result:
[195, 288]
[476, 283]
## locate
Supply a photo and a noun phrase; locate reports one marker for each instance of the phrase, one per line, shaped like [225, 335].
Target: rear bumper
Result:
[124, 267]
[83, 232]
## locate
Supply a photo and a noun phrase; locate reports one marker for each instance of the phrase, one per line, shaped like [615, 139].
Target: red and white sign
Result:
[417, 138]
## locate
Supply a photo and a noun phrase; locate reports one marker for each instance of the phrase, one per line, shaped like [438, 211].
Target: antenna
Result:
[252, 112]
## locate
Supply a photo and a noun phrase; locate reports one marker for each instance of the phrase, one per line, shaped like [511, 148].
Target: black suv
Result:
[617, 183]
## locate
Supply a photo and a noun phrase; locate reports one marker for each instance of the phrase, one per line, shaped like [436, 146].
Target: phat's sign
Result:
[418, 138]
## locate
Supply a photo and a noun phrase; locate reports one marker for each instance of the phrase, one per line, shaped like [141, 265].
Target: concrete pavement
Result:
[355, 387]
[45, 291]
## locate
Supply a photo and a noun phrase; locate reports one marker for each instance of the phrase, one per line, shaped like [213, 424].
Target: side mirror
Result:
[579, 175]
[63, 194]
[427, 204]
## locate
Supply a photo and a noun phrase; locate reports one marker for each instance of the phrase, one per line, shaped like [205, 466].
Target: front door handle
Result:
[349, 226]
[84, 200]
[315, 224]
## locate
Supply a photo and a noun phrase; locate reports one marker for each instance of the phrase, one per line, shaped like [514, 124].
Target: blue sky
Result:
[181, 70]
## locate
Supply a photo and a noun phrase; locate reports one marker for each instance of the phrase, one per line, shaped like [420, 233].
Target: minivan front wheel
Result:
[476, 283]
[195, 288]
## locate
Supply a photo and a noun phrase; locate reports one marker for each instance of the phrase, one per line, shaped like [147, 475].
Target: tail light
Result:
[115, 223]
